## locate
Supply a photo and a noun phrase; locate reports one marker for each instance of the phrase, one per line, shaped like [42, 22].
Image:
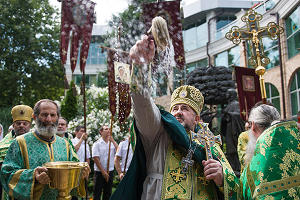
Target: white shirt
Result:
[122, 151]
[100, 149]
[81, 151]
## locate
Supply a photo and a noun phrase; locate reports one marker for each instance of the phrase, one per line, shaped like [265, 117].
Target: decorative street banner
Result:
[248, 90]
[170, 11]
[78, 17]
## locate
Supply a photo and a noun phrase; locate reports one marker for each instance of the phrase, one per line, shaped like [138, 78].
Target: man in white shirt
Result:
[103, 178]
[79, 144]
[124, 155]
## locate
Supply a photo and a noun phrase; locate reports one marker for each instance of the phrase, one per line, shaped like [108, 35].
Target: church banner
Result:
[248, 90]
[170, 11]
[118, 67]
[78, 17]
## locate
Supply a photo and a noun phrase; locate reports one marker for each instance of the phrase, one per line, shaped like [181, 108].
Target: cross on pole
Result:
[254, 33]
[208, 139]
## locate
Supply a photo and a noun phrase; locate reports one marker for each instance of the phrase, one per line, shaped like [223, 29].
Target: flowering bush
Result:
[98, 114]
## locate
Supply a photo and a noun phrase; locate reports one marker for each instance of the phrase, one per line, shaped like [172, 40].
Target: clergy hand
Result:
[86, 172]
[213, 170]
[143, 51]
[41, 175]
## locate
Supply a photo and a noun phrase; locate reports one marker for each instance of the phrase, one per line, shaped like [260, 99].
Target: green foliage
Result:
[132, 25]
[69, 106]
[102, 79]
[97, 114]
[5, 118]
[30, 66]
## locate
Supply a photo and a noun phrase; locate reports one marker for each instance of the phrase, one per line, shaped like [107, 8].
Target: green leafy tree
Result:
[132, 25]
[97, 114]
[5, 118]
[30, 66]
[69, 106]
[102, 79]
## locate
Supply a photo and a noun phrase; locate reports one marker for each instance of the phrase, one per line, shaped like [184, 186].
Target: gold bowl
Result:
[64, 176]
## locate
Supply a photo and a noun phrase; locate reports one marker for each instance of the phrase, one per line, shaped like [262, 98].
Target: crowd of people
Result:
[168, 155]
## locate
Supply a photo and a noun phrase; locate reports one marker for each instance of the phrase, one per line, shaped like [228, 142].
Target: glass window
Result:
[190, 39]
[294, 44]
[202, 36]
[195, 36]
[271, 51]
[200, 63]
[273, 95]
[224, 20]
[222, 59]
[229, 57]
[78, 78]
[293, 33]
[292, 23]
[190, 67]
[270, 4]
[294, 91]
[234, 55]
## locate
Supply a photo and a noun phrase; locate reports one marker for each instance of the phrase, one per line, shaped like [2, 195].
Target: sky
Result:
[105, 8]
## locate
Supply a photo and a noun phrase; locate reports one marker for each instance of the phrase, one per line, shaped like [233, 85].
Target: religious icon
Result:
[122, 72]
[248, 83]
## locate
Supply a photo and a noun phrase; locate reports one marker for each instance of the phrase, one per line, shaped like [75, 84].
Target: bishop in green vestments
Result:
[22, 174]
[163, 140]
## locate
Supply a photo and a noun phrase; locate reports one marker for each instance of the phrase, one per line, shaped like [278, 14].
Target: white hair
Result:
[264, 115]
[250, 147]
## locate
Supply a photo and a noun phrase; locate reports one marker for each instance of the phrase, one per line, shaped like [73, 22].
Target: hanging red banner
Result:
[78, 17]
[170, 11]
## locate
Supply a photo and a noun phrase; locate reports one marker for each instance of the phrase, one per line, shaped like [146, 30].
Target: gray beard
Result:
[60, 132]
[250, 147]
[46, 131]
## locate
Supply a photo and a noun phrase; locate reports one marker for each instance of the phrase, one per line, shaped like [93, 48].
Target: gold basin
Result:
[64, 176]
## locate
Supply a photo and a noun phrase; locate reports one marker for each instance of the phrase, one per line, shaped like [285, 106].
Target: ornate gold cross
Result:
[254, 33]
[208, 139]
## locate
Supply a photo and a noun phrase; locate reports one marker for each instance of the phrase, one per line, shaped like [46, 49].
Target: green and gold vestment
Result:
[4, 145]
[241, 148]
[274, 171]
[25, 154]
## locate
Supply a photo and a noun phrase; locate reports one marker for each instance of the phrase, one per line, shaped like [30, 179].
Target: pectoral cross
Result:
[208, 139]
[187, 161]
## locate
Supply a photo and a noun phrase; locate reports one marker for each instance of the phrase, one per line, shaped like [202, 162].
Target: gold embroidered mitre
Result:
[21, 112]
[189, 95]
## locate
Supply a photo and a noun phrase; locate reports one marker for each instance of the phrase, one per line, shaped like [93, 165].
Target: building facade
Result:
[206, 23]
[96, 61]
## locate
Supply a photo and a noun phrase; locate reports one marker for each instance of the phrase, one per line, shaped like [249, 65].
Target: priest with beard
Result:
[272, 157]
[22, 174]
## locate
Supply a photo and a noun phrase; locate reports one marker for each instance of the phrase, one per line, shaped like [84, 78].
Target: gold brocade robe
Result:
[195, 185]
